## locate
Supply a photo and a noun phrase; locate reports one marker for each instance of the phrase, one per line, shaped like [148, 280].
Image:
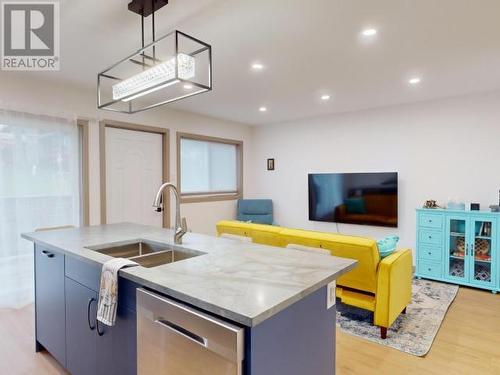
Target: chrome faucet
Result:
[180, 226]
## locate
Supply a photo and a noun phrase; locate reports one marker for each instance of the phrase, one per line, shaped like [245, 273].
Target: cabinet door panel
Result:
[456, 254]
[117, 347]
[483, 252]
[80, 328]
[49, 300]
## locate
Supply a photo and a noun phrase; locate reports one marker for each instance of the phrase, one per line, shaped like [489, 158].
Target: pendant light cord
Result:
[153, 29]
[153, 32]
[142, 38]
[142, 28]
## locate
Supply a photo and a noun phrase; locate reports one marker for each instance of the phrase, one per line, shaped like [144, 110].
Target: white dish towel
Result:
[108, 291]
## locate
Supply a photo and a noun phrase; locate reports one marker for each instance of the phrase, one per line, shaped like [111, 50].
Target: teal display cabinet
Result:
[460, 247]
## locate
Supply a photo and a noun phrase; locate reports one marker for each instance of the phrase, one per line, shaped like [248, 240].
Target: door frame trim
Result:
[164, 132]
[85, 193]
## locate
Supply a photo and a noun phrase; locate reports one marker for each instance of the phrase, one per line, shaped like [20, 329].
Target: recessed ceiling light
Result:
[257, 66]
[414, 81]
[188, 86]
[369, 32]
[325, 97]
[263, 109]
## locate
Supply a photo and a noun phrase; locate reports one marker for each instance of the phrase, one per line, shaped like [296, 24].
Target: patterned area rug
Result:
[412, 333]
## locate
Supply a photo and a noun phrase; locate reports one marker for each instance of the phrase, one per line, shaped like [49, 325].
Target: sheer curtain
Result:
[39, 187]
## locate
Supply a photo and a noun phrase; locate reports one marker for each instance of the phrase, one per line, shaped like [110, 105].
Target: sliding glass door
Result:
[39, 187]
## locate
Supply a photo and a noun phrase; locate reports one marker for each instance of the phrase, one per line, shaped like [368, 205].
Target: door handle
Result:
[99, 332]
[88, 313]
[183, 332]
[48, 254]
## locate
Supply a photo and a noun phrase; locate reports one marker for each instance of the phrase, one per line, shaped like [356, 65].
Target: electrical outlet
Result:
[330, 295]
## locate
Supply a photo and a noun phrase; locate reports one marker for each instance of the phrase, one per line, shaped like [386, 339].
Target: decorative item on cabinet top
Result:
[431, 204]
[475, 206]
[458, 246]
[455, 204]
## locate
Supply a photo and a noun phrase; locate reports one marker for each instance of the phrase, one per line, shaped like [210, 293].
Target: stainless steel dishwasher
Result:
[173, 339]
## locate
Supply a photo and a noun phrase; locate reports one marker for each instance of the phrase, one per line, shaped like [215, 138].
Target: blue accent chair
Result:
[258, 211]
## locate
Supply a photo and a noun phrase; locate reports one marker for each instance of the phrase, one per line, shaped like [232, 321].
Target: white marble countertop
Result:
[241, 281]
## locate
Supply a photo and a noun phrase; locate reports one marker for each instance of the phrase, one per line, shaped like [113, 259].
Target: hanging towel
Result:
[108, 291]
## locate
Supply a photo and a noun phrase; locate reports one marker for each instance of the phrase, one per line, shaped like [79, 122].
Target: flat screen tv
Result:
[354, 198]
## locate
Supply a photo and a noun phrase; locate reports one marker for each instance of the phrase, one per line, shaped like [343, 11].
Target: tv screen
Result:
[354, 198]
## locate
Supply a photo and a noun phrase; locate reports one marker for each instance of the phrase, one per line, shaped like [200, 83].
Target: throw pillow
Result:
[386, 246]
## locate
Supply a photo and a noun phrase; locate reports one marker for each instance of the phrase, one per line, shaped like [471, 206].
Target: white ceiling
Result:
[308, 47]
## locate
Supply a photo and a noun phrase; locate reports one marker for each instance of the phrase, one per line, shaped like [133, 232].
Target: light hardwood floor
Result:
[17, 346]
[467, 343]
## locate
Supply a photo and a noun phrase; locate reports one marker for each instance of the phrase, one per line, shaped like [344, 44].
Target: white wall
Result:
[441, 149]
[19, 91]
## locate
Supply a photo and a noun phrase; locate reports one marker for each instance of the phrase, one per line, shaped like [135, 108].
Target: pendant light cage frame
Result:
[173, 67]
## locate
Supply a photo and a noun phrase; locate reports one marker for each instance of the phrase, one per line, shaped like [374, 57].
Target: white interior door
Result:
[133, 175]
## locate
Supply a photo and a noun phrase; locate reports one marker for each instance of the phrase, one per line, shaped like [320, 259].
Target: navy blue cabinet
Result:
[50, 319]
[66, 317]
[93, 347]
[299, 340]
[81, 326]
[117, 345]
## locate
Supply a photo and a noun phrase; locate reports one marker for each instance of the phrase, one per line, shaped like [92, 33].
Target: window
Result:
[208, 168]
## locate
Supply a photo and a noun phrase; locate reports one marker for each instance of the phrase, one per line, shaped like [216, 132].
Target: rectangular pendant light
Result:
[162, 74]
[174, 67]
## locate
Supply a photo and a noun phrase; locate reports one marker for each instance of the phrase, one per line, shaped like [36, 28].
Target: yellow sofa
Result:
[379, 285]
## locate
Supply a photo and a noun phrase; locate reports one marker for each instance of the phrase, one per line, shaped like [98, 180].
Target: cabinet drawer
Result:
[431, 237]
[89, 275]
[431, 221]
[430, 253]
[85, 273]
[430, 269]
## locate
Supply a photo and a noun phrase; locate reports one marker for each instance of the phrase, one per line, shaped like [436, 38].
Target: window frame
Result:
[211, 196]
[83, 134]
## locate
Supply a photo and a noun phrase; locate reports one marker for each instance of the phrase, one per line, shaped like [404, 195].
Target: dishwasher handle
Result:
[183, 332]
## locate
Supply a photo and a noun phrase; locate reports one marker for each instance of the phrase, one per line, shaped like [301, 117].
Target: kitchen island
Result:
[279, 298]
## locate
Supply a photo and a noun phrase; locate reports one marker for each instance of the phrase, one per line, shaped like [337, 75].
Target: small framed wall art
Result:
[270, 164]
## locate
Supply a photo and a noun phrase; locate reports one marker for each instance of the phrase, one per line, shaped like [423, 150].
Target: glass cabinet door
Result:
[457, 249]
[481, 249]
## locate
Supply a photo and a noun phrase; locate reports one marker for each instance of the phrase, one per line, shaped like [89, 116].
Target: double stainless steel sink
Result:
[146, 253]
